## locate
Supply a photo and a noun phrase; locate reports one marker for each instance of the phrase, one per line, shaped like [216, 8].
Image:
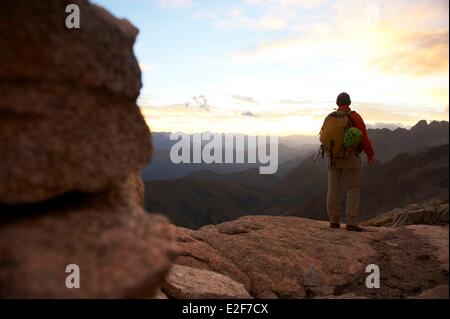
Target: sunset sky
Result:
[275, 66]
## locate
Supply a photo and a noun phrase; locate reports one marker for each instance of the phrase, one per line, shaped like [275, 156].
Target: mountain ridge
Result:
[300, 193]
[292, 150]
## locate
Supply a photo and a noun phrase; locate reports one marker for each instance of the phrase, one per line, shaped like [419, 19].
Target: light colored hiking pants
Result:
[350, 169]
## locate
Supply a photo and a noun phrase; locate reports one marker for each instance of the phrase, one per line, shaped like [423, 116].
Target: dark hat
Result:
[343, 99]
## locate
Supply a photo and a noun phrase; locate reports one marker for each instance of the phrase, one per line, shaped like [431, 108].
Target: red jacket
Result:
[359, 123]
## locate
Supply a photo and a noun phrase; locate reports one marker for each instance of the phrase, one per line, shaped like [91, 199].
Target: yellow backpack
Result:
[332, 134]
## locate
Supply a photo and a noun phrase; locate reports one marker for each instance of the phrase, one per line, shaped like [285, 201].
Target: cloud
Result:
[145, 99]
[418, 54]
[199, 101]
[248, 113]
[266, 15]
[360, 34]
[177, 117]
[277, 121]
[380, 125]
[146, 67]
[271, 22]
[238, 19]
[176, 3]
[245, 99]
[373, 112]
[294, 102]
[286, 3]
[393, 54]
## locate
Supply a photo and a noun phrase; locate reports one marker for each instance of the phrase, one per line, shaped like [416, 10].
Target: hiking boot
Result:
[335, 225]
[354, 228]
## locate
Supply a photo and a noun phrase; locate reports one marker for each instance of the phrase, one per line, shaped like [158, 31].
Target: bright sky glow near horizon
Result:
[275, 67]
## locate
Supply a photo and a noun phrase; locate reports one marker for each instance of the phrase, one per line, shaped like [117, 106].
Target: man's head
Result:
[343, 99]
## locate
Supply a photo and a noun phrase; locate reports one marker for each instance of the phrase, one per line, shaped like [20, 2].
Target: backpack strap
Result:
[331, 153]
[350, 118]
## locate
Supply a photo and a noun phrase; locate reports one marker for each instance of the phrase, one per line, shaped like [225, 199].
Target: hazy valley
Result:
[211, 195]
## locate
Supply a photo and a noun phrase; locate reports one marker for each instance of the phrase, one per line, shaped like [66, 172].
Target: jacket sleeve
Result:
[366, 143]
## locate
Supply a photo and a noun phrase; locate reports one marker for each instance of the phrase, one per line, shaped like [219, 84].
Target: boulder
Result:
[72, 144]
[121, 250]
[432, 212]
[67, 102]
[189, 283]
[160, 295]
[41, 49]
[199, 254]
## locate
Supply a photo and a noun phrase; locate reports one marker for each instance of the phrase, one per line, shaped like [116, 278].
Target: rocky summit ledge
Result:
[290, 257]
[432, 212]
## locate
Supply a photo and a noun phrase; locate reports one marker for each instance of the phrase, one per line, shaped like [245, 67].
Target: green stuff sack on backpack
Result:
[352, 137]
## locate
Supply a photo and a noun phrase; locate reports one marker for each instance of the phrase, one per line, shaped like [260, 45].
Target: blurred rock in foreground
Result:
[72, 144]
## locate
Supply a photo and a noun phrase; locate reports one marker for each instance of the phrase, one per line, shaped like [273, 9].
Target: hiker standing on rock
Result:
[343, 137]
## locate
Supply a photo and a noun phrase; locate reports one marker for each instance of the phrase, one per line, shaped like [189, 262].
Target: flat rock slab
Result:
[190, 283]
[290, 257]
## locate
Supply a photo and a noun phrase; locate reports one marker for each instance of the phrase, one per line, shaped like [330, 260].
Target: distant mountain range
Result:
[388, 143]
[294, 149]
[161, 167]
[412, 165]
